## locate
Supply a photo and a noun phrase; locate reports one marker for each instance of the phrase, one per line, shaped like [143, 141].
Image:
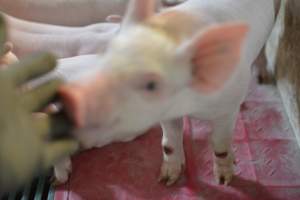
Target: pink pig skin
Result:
[64, 12]
[62, 41]
[90, 33]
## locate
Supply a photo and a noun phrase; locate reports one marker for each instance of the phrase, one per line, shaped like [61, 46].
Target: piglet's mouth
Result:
[73, 103]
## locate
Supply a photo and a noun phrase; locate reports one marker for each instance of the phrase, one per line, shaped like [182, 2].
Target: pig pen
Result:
[267, 161]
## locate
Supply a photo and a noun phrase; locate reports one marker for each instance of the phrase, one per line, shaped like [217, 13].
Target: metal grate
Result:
[40, 189]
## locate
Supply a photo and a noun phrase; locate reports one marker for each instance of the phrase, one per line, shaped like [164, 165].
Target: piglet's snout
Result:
[89, 103]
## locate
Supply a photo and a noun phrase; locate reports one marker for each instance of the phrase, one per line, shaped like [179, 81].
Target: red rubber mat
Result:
[267, 156]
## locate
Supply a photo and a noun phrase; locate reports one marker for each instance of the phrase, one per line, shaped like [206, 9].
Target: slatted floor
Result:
[40, 189]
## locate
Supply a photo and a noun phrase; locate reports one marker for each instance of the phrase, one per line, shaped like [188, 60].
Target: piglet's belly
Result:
[89, 138]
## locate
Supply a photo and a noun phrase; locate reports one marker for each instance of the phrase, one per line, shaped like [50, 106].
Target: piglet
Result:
[62, 41]
[64, 12]
[193, 59]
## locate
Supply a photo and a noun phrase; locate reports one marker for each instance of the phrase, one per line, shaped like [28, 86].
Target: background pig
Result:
[193, 59]
[64, 12]
[263, 63]
[68, 13]
[62, 41]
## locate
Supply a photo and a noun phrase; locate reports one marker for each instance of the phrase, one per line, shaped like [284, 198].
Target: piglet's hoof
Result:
[224, 169]
[54, 182]
[223, 175]
[62, 171]
[170, 172]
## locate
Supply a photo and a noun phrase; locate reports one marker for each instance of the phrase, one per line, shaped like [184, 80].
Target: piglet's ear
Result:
[214, 55]
[138, 11]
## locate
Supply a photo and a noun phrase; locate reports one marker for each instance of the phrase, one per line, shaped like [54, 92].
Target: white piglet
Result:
[193, 59]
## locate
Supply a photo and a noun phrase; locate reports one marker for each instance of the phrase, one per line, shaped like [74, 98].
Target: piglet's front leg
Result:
[173, 152]
[223, 158]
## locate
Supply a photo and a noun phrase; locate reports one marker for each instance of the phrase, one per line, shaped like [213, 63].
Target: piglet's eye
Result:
[151, 86]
